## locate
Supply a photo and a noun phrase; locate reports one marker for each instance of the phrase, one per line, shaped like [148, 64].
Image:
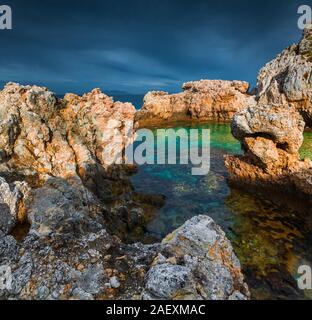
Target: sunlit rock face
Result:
[271, 133]
[83, 137]
[200, 101]
[271, 137]
[43, 136]
[287, 80]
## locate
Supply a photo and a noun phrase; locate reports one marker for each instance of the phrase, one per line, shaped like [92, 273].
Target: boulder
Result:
[196, 262]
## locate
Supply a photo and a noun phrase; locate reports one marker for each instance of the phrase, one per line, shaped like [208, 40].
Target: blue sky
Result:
[135, 46]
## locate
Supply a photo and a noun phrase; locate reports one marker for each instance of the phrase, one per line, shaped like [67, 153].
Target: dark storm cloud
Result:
[137, 45]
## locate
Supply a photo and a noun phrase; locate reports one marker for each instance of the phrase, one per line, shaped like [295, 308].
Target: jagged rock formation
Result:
[58, 182]
[271, 133]
[41, 136]
[68, 254]
[271, 137]
[200, 101]
[287, 80]
[197, 262]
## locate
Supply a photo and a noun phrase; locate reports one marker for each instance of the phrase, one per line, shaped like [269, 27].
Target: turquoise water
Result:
[271, 236]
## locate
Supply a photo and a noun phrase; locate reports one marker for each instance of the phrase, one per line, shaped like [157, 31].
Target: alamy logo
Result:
[306, 16]
[5, 17]
[305, 279]
[161, 147]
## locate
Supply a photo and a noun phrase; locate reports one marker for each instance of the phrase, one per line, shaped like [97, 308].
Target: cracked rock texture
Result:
[62, 205]
[43, 136]
[196, 262]
[200, 101]
[287, 80]
[271, 133]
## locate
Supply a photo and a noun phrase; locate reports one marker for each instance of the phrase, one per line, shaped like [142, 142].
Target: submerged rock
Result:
[197, 262]
[201, 100]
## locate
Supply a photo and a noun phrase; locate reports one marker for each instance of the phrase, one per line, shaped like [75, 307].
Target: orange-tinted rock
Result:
[45, 136]
[271, 137]
[200, 101]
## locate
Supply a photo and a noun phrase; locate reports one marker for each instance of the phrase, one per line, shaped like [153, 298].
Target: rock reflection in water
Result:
[271, 236]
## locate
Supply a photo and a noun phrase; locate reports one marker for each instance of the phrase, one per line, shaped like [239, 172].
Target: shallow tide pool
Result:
[271, 236]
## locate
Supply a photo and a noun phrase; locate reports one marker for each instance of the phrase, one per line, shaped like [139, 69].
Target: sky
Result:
[133, 46]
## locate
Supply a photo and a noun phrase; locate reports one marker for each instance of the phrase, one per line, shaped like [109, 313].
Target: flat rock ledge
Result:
[204, 100]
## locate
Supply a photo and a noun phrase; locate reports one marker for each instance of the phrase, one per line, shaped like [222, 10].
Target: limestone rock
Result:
[271, 133]
[43, 136]
[12, 198]
[283, 125]
[204, 267]
[287, 80]
[201, 100]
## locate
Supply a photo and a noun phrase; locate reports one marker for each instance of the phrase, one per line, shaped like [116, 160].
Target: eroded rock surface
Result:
[201, 100]
[55, 176]
[271, 133]
[68, 254]
[196, 262]
[12, 204]
[287, 80]
[271, 137]
[43, 136]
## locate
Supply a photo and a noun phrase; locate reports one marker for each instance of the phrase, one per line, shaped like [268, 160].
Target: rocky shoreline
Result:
[74, 210]
[271, 133]
[55, 180]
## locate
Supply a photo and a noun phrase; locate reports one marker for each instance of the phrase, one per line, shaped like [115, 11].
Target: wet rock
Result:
[201, 100]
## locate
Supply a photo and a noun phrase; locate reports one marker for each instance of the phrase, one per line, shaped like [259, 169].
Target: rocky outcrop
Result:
[271, 133]
[271, 137]
[200, 101]
[196, 262]
[68, 254]
[287, 80]
[12, 206]
[57, 178]
[42, 136]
